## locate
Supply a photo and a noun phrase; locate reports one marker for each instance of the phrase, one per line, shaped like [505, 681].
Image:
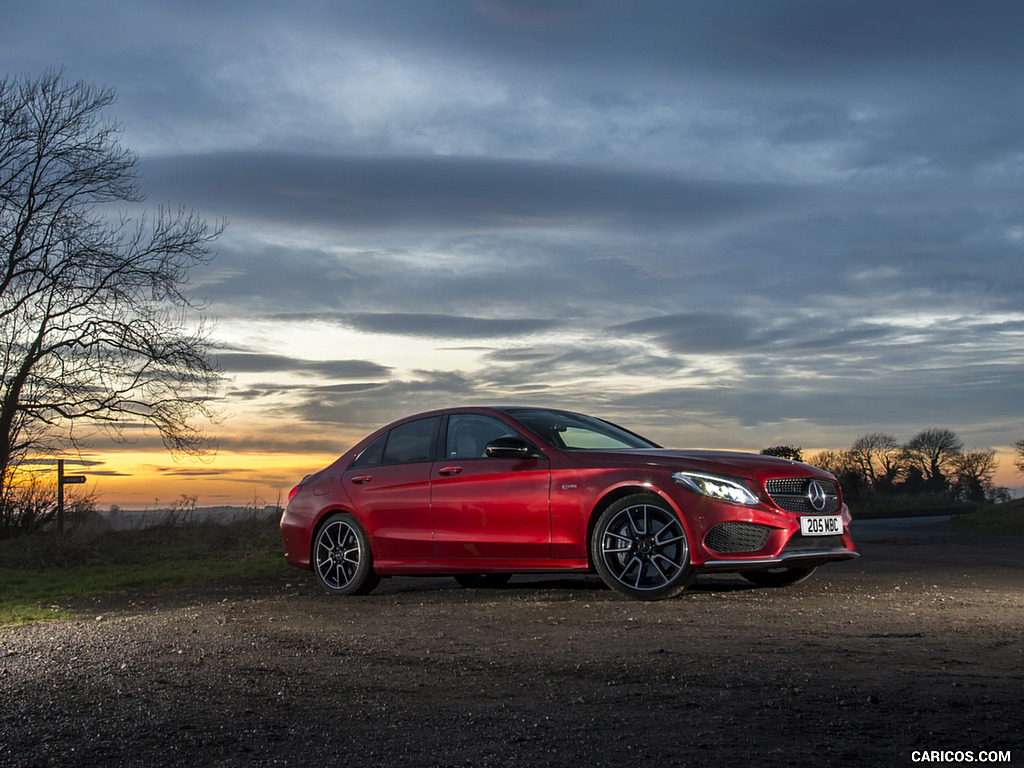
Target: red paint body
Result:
[445, 514]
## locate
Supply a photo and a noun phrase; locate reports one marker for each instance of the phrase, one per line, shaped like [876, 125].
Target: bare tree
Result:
[95, 324]
[877, 457]
[933, 451]
[844, 466]
[831, 461]
[974, 473]
[1018, 460]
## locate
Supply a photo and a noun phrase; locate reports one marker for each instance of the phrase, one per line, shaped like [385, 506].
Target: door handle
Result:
[361, 479]
[449, 471]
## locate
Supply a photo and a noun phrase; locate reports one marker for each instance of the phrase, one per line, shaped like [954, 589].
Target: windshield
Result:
[575, 431]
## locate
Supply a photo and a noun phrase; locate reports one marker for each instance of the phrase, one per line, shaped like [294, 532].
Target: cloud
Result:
[191, 471]
[254, 362]
[443, 326]
[363, 411]
[731, 333]
[844, 405]
[451, 194]
[697, 332]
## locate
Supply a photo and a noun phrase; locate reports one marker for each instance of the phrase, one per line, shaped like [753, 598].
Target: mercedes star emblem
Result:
[816, 495]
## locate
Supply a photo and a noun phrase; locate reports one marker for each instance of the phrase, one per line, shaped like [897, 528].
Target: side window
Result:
[412, 442]
[372, 454]
[469, 433]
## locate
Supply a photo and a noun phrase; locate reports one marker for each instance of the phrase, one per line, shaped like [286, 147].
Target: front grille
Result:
[800, 543]
[790, 494]
[737, 537]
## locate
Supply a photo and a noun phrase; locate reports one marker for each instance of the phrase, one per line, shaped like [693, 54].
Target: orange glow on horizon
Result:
[155, 480]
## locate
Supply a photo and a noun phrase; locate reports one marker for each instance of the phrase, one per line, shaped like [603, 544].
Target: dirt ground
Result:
[917, 646]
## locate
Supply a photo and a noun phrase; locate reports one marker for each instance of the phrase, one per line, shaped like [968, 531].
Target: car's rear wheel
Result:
[483, 580]
[639, 548]
[782, 576]
[342, 561]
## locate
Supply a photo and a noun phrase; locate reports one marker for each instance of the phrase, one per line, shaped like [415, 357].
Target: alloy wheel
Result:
[643, 548]
[342, 560]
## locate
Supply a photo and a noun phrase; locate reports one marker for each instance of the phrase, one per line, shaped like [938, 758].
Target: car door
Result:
[389, 485]
[488, 508]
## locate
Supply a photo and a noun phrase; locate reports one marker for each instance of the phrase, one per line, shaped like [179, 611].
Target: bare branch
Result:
[96, 325]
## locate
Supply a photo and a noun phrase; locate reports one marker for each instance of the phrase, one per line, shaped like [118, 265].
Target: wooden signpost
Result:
[63, 480]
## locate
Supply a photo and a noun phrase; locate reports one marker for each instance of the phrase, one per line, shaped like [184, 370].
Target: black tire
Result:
[783, 576]
[639, 548]
[483, 580]
[342, 561]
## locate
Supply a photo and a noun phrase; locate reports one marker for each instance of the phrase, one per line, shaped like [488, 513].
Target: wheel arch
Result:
[321, 520]
[613, 495]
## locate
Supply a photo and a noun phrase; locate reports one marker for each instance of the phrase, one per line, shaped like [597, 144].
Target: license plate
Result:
[821, 525]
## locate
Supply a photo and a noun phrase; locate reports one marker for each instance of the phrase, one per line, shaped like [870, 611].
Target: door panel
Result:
[491, 508]
[393, 502]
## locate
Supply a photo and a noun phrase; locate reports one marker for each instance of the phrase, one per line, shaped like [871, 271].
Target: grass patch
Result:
[38, 571]
[998, 518]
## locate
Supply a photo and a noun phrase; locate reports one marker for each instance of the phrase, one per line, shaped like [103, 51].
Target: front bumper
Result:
[816, 556]
[735, 540]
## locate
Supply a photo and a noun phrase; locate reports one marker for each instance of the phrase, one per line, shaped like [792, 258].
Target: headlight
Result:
[720, 487]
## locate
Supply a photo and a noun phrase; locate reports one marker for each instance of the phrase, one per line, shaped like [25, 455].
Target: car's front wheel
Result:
[342, 561]
[639, 547]
[782, 576]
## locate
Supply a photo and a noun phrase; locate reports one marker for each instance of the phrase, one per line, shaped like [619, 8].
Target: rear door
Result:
[389, 484]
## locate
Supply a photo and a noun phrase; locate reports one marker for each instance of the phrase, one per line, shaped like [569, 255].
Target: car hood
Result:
[724, 462]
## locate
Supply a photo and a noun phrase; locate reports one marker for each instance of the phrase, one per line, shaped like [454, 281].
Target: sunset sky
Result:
[727, 224]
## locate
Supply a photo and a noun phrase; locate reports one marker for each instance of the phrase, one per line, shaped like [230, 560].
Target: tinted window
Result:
[372, 454]
[575, 431]
[411, 442]
[469, 434]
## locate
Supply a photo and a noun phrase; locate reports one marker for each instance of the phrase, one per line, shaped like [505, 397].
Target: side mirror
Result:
[510, 447]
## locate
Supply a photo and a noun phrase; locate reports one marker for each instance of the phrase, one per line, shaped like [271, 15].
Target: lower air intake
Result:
[737, 537]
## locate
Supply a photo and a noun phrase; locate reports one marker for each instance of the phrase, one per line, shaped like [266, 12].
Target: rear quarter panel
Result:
[319, 495]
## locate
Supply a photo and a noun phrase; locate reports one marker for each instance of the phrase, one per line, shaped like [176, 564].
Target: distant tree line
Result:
[933, 463]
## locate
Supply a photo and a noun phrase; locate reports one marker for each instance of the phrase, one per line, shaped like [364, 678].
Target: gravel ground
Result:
[915, 646]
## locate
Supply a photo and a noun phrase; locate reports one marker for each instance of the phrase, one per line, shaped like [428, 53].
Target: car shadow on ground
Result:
[521, 585]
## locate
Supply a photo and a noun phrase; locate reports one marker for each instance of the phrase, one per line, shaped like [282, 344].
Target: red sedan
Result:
[484, 493]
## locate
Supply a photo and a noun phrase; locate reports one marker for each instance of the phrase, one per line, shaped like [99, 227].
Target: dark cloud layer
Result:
[254, 362]
[443, 326]
[453, 194]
